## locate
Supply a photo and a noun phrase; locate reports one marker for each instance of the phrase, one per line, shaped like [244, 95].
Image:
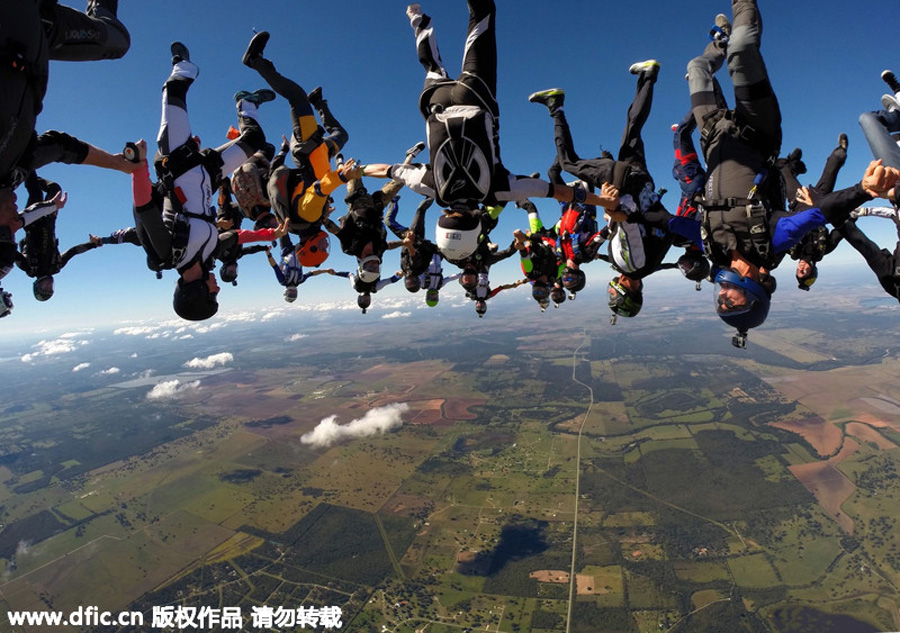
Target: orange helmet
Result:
[313, 251]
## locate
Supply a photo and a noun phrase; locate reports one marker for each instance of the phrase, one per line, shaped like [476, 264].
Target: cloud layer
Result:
[379, 420]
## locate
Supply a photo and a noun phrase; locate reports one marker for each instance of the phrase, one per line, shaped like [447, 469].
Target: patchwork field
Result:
[729, 496]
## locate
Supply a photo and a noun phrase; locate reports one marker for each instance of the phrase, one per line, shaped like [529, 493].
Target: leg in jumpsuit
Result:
[882, 263]
[313, 155]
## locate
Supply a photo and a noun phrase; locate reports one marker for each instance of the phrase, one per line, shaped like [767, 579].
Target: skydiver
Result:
[813, 246]
[32, 32]
[39, 255]
[746, 227]
[465, 170]
[638, 235]
[538, 256]
[881, 126]
[885, 264]
[366, 289]
[362, 231]
[288, 269]
[302, 194]
[181, 232]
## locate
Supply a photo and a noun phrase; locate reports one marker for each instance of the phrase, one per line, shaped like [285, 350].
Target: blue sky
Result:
[824, 59]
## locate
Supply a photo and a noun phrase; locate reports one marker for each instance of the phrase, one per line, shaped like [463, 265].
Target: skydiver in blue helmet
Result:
[746, 230]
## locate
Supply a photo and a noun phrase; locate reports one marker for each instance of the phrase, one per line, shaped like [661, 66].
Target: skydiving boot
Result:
[651, 67]
[317, 101]
[257, 97]
[795, 162]
[180, 53]
[255, 49]
[414, 151]
[721, 31]
[182, 66]
[891, 103]
[552, 98]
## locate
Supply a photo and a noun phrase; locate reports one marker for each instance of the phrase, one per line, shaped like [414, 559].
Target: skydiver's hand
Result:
[142, 150]
[615, 216]
[878, 179]
[60, 199]
[95, 240]
[408, 239]
[520, 239]
[282, 229]
[609, 196]
[803, 197]
[350, 170]
[223, 224]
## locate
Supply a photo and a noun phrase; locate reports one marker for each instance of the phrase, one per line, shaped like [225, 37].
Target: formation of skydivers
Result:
[741, 208]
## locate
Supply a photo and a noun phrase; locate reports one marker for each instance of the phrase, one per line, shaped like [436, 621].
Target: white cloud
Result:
[81, 366]
[396, 315]
[185, 337]
[136, 330]
[210, 361]
[170, 389]
[53, 347]
[133, 355]
[379, 420]
[109, 372]
[296, 337]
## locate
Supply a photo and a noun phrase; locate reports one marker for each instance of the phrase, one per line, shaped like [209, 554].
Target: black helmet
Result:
[193, 300]
[573, 279]
[412, 283]
[805, 283]
[364, 300]
[694, 266]
[557, 295]
[228, 272]
[43, 288]
[481, 307]
[622, 301]
[468, 279]
[540, 292]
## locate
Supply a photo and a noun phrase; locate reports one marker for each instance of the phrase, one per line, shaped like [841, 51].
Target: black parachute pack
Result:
[463, 157]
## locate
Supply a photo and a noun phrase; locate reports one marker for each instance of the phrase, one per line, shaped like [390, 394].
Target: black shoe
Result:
[414, 151]
[255, 48]
[263, 95]
[891, 80]
[842, 141]
[552, 98]
[795, 162]
[315, 95]
[180, 53]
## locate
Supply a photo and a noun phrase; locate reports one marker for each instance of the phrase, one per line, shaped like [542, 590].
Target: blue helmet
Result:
[740, 301]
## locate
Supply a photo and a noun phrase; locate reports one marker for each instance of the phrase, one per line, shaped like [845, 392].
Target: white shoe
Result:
[890, 103]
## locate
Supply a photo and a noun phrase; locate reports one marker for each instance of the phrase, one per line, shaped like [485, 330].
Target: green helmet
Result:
[432, 297]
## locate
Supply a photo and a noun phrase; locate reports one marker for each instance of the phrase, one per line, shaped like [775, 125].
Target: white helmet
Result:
[369, 269]
[457, 236]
